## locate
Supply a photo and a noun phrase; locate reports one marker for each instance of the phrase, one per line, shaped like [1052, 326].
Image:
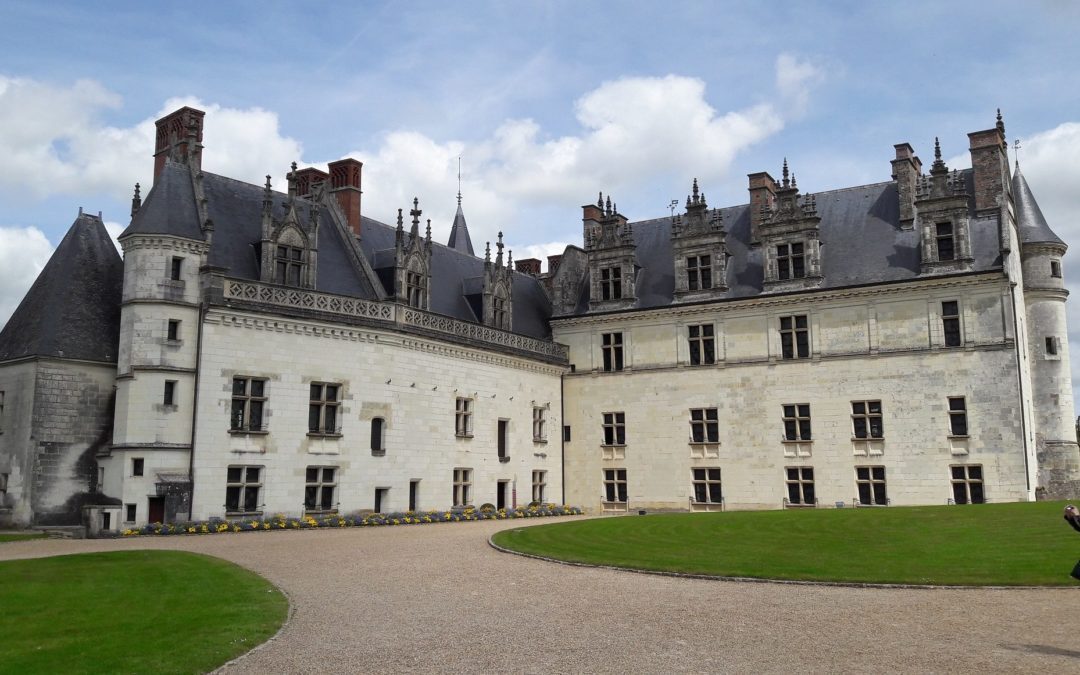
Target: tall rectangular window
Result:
[173, 333]
[615, 485]
[378, 436]
[958, 425]
[967, 484]
[503, 440]
[1055, 269]
[130, 510]
[795, 336]
[866, 420]
[699, 273]
[243, 489]
[463, 417]
[137, 464]
[320, 489]
[614, 428]
[1051, 346]
[539, 486]
[288, 265]
[702, 341]
[797, 422]
[177, 267]
[611, 283]
[870, 480]
[539, 423]
[704, 425]
[323, 407]
[790, 261]
[800, 486]
[248, 400]
[414, 289]
[950, 322]
[706, 486]
[945, 247]
[462, 487]
[499, 314]
[611, 347]
[169, 397]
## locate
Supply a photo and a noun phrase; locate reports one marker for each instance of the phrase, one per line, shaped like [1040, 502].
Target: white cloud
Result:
[23, 254]
[795, 79]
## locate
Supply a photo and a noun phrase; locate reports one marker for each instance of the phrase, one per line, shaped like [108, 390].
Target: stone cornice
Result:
[164, 241]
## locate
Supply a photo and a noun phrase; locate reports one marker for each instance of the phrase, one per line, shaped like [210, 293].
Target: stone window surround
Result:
[615, 486]
[969, 478]
[463, 416]
[612, 352]
[701, 342]
[800, 486]
[797, 426]
[325, 403]
[699, 272]
[316, 479]
[958, 420]
[239, 478]
[614, 429]
[864, 415]
[540, 422]
[705, 483]
[794, 333]
[870, 482]
[704, 426]
[248, 401]
[462, 486]
[539, 485]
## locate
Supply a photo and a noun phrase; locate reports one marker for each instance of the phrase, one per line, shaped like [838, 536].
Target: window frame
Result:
[290, 266]
[957, 416]
[138, 466]
[701, 342]
[797, 425]
[615, 486]
[967, 481]
[941, 236]
[797, 479]
[614, 429]
[248, 400]
[611, 282]
[463, 417]
[699, 272]
[243, 487]
[414, 289]
[790, 264]
[871, 483]
[462, 486]
[322, 406]
[378, 437]
[168, 397]
[611, 352]
[539, 485]
[951, 326]
[321, 483]
[539, 423]
[704, 426]
[1055, 269]
[706, 483]
[791, 328]
[172, 330]
[176, 269]
[867, 416]
[131, 512]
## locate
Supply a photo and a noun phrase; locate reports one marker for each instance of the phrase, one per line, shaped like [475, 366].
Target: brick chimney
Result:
[553, 263]
[906, 169]
[345, 186]
[530, 266]
[306, 179]
[179, 137]
[990, 164]
[762, 193]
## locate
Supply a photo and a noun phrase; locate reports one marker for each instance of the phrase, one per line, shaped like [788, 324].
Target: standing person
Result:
[1073, 517]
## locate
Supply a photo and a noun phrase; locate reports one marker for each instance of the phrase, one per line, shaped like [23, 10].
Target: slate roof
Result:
[169, 207]
[861, 243]
[459, 233]
[1033, 226]
[73, 309]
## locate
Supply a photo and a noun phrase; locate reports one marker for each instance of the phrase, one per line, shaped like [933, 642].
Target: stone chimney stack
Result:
[530, 266]
[179, 138]
[906, 169]
[345, 186]
[591, 215]
[762, 195]
[990, 164]
[553, 263]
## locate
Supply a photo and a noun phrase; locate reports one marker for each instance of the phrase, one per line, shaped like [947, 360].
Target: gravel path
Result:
[437, 598]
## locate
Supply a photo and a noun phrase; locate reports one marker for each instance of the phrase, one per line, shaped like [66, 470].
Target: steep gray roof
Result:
[73, 309]
[1033, 226]
[459, 233]
[169, 207]
[861, 243]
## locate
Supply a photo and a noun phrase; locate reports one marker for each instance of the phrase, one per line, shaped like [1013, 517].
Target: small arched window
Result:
[378, 429]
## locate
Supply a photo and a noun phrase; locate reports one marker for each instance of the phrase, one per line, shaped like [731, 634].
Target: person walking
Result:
[1072, 516]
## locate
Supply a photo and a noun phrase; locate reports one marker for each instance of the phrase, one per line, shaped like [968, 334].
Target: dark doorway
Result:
[414, 492]
[156, 510]
[380, 498]
[501, 494]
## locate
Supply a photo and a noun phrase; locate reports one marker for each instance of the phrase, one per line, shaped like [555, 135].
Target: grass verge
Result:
[21, 537]
[132, 612]
[1021, 544]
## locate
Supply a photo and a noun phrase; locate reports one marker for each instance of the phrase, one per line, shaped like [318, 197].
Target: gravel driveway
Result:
[437, 598]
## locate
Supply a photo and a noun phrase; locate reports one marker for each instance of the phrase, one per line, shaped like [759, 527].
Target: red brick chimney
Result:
[553, 263]
[306, 179]
[179, 136]
[530, 266]
[990, 164]
[345, 186]
[906, 169]
[762, 193]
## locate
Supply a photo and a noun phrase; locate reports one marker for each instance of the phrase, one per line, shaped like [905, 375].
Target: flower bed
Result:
[309, 522]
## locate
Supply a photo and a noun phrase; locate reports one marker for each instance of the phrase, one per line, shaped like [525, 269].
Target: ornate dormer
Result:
[412, 262]
[790, 238]
[498, 287]
[700, 250]
[288, 250]
[609, 243]
[942, 219]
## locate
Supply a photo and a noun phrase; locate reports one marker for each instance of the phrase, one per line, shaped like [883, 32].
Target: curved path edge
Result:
[270, 640]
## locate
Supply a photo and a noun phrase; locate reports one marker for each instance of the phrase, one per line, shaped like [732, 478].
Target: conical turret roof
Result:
[459, 233]
[73, 309]
[1033, 226]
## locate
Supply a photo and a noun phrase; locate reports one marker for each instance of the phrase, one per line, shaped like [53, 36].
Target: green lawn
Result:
[985, 544]
[7, 536]
[131, 612]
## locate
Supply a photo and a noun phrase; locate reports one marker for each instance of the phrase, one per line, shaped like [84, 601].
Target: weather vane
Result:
[673, 205]
[1016, 150]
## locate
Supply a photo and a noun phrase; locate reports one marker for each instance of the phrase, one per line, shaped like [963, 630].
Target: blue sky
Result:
[546, 103]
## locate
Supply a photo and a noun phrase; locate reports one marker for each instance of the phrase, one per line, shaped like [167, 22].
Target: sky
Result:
[544, 104]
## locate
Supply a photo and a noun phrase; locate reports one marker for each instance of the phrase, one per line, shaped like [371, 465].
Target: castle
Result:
[257, 351]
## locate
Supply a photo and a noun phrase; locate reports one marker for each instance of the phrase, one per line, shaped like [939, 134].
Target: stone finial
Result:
[499, 248]
[400, 220]
[784, 173]
[695, 191]
[136, 201]
[1000, 125]
[429, 229]
[600, 201]
[415, 213]
[509, 259]
[487, 253]
[607, 205]
[938, 165]
[937, 149]
[793, 183]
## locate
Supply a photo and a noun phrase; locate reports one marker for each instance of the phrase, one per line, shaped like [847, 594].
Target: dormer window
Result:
[790, 261]
[611, 283]
[699, 273]
[414, 289]
[945, 248]
[501, 317]
[289, 265]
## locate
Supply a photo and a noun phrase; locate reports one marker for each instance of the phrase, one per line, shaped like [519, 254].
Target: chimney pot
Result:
[179, 136]
[345, 186]
[530, 266]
